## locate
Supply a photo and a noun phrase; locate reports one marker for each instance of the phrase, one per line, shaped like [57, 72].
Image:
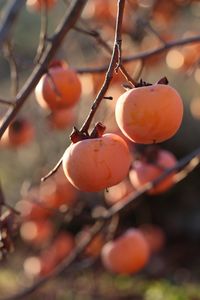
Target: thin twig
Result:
[54, 170]
[111, 68]
[186, 165]
[9, 54]
[62, 29]
[13, 8]
[62, 266]
[148, 25]
[108, 78]
[43, 33]
[144, 55]
[106, 46]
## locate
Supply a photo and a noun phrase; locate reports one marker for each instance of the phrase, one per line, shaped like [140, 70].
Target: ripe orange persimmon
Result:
[154, 235]
[94, 164]
[53, 195]
[59, 249]
[33, 211]
[36, 232]
[19, 133]
[95, 246]
[117, 192]
[143, 172]
[127, 254]
[149, 114]
[31, 207]
[38, 4]
[60, 88]
[62, 118]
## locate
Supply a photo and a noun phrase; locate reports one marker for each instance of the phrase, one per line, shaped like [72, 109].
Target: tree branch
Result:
[111, 67]
[145, 54]
[7, 102]
[108, 77]
[63, 28]
[185, 165]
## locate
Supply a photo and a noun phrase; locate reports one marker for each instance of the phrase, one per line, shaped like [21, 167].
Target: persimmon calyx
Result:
[142, 83]
[97, 132]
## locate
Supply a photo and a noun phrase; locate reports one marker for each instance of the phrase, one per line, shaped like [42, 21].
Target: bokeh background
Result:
[173, 272]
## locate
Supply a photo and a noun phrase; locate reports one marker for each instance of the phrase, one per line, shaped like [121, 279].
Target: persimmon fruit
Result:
[60, 248]
[61, 119]
[127, 254]
[54, 194]
[20, 132]
[37, 5]
[117, 192]
[149, 114]
[33, 211]
[94, 247]
[143, 172]
[97, 163]
[155, 237]
[60, 88]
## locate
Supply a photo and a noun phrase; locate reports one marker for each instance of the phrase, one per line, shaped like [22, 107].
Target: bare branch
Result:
[9, 54]
[11, 12]
[43, 33]
[184, 166]
[63, 28]
[111, 68]
[53, 171]
[104, 44]
[7, 102]
[62, 266]
[145, 54]
[108, 78]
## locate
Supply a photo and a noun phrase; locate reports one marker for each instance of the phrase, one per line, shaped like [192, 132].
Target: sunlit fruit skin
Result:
[94, 164]
[60, 89]
[143, 172]
[127, 254]
[149, 114]
[36, 5]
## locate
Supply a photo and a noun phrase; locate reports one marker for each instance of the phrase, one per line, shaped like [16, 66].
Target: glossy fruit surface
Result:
[127, 254]
[94, 164]
[149, 114]
[143, 172]
[59, 89]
